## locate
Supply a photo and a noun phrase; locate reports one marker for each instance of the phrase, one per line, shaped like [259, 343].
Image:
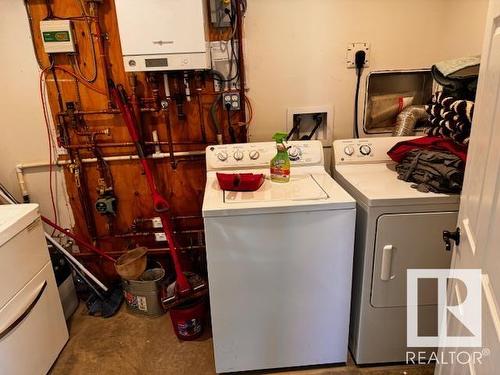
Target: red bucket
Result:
[188, 319]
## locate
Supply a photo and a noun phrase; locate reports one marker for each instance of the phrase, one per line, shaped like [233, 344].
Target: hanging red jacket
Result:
[399, 150]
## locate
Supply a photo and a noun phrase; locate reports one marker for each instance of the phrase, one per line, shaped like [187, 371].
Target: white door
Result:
[479, 216]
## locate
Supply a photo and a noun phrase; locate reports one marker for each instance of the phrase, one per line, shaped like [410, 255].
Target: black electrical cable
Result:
[359, 61]
[356, 99]
[229, 124]
[234, 56]
[50, 13]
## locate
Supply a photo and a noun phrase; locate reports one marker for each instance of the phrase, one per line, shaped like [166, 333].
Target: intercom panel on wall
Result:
[163, 34]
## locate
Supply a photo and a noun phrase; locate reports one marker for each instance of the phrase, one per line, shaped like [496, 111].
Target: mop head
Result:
[198, 284]
[105, 305]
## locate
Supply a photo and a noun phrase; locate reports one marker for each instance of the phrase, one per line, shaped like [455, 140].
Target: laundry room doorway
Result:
[479, 218]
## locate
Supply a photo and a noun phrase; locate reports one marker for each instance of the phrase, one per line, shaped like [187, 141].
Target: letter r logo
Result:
[467, 310]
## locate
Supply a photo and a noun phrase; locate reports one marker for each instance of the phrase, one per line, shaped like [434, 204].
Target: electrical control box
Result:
[57, 36]
[163, 35]
[218, 16]
[224, 60]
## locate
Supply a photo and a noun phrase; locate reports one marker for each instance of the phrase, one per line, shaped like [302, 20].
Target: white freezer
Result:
[32, 326]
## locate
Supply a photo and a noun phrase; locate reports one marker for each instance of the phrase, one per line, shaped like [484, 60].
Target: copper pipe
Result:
[134, 102]
[153, 83]
[94, 13]
[202, 119]
[130, 144]
[185, 217]
[147, 234]
[161, 250]
[93, 134]
[165, 111]
[84, 197]
[95, 112]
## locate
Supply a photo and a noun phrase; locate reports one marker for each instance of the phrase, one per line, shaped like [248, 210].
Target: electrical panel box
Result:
[218, 16]
[57, 36]
[163, 34]
[224, 60]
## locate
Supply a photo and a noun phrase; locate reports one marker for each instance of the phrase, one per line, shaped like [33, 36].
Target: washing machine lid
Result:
[377, 184]
[306, 191]
[299, 188]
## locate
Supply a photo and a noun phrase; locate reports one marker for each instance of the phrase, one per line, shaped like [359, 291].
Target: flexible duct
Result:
[408, 118]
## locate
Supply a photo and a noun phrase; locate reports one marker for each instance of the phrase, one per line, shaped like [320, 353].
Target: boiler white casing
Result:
[158, 35]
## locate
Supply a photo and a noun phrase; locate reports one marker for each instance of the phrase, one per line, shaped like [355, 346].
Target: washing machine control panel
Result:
[259, 155]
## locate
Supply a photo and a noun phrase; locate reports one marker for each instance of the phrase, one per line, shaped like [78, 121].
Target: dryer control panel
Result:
[259, 155]
[365, 150]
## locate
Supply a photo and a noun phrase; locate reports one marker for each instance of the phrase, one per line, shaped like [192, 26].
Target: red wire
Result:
[47, 125]
[49, 139]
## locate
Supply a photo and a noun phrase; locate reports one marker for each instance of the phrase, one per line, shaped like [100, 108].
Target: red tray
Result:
[240, 181]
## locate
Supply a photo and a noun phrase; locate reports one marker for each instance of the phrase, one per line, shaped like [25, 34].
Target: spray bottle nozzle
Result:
[280, 137]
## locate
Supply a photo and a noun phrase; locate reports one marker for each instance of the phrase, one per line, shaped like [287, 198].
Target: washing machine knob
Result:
[365, 150]
[348, 150]
[238, 155]
[254, 154]
[294, 153]
[222, 156]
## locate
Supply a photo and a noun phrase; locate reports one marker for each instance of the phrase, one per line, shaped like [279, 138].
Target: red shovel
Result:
[161, 205]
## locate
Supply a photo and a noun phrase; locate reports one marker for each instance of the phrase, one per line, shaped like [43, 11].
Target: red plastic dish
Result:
[240, 181]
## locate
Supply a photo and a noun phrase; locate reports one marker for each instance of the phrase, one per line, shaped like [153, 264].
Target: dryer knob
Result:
[222, 156]
[365, 150]
[348, 150]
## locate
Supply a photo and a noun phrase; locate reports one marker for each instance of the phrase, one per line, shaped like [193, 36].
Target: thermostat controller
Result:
[57, 36]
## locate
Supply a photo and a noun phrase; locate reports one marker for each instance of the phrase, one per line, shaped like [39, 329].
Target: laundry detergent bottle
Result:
[280, 164]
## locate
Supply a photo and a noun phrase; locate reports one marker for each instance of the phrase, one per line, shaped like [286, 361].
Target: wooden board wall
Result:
[183, 185]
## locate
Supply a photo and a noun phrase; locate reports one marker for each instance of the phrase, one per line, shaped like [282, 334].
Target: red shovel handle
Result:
[160, 204]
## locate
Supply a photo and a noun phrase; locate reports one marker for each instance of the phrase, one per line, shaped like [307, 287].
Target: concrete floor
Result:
[131, 344]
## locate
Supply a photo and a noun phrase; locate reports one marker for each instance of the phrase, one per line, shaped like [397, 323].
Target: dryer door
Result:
[406, 241]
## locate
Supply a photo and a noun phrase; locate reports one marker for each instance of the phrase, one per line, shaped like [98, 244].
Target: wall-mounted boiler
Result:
[163, 34]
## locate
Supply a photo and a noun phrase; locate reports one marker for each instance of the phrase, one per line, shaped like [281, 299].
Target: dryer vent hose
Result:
[408, 118]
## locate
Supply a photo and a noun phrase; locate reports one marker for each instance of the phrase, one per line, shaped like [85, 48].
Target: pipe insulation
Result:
[157, 155]
[408, 119]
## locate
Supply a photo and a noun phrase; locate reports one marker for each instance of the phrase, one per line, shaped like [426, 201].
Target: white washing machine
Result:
[279, 261]
[397, 228]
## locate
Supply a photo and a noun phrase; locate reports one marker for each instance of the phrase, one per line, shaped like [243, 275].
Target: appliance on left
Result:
[32, 326]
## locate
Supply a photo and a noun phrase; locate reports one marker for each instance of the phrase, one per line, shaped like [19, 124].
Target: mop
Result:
[184, 288]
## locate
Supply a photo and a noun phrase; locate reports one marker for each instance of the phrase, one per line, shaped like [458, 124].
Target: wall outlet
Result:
[160, 237]
[352, 48]
[156, 221]
[233, 99]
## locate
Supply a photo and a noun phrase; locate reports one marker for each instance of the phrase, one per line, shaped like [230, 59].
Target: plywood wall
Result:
[181, 182]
